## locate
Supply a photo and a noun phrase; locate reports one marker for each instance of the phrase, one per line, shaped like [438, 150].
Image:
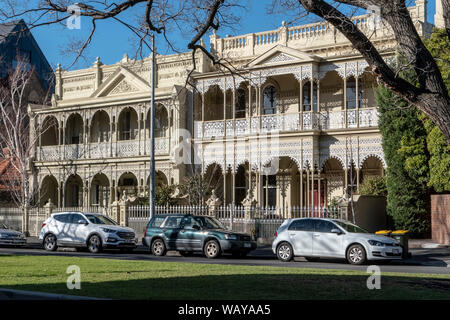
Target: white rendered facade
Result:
[303, 102]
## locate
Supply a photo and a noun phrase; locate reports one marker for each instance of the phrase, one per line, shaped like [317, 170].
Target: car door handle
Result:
[316, 235]
[292, 234]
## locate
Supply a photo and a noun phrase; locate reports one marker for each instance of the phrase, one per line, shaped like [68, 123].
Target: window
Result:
[157, 222]
[323, 226]
[270, 184]
[74, 218]
[240, 103]
[302, 225]
[350, 227]
[173, 222]
[99, 219]
[64, 218]
[351, 93]
[270, 100]
[307, 96]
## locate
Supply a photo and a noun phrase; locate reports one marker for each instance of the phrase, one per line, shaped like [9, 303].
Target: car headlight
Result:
[231, 237]
[108, 230]
[376, 243]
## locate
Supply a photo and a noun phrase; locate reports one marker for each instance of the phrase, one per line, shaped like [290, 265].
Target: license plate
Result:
[247, 245]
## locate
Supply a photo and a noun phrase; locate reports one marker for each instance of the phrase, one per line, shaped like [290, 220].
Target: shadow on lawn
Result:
[254, 287]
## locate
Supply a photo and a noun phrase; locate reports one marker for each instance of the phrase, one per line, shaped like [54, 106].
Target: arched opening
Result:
[214, 104]
[100, 127]
[371, 167]
[49, 136]
[99, 193]
[160, 179]
[331, 92]
[128, 124]
[127, 184]
[74, 129]
[307, 105]
[213, 180]
[333, 173]
[48, 190]
[270, 100]
[161, 121]
[74, 191]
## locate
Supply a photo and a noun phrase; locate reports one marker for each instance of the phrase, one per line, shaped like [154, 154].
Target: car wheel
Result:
[285, 252]
[50, 242]
[212, 249]
[186, 253]
[158, 248]
[356, 254]
[312, 259]
[94, 244]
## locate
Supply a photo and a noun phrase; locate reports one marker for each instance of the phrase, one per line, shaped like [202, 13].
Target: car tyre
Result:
[50, 243]
[212, 249]
[94, 244]
[285, 252]
[356, 254]
[158, 248]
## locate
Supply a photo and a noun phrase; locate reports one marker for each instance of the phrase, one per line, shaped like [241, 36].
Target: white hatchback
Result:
[315, 238]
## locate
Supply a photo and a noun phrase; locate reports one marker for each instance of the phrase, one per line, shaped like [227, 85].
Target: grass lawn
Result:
[119, 279]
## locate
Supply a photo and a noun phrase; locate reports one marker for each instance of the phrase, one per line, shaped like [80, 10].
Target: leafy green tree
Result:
[373, 186]
[407, 196]
[438, 147]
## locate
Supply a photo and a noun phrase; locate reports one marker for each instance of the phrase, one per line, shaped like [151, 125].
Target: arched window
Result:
[270, 100]
[240, 103]
[307, 96]
[351, 93]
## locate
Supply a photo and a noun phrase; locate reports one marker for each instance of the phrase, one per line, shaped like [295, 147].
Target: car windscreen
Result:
[98, 219]
[209, 223]
[350, 227]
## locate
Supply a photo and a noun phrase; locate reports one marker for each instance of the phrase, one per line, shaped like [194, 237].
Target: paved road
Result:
[434, 261]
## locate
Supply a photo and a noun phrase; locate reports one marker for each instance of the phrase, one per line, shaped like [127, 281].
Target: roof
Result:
[7, 172]
[7, 27]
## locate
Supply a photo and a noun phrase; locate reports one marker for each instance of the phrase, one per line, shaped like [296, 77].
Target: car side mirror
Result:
[83, 222]
[336, 231]
[196, 227]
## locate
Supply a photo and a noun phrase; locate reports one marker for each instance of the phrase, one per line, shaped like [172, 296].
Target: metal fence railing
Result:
[260, 221]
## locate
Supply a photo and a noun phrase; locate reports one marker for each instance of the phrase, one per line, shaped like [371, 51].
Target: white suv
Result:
[314, 238]
[85, 230]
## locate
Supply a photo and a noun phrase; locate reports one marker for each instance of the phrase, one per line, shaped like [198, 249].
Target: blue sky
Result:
[112, 40]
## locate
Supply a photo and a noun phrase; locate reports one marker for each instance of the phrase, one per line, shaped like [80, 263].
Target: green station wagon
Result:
[189, 233]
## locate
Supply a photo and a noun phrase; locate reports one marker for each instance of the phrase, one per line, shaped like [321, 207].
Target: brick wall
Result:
[440, 218]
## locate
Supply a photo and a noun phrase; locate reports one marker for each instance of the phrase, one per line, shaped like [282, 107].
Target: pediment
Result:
[280, 55]
[122, 81]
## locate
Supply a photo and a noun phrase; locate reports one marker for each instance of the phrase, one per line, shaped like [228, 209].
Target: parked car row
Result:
[312, 238]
